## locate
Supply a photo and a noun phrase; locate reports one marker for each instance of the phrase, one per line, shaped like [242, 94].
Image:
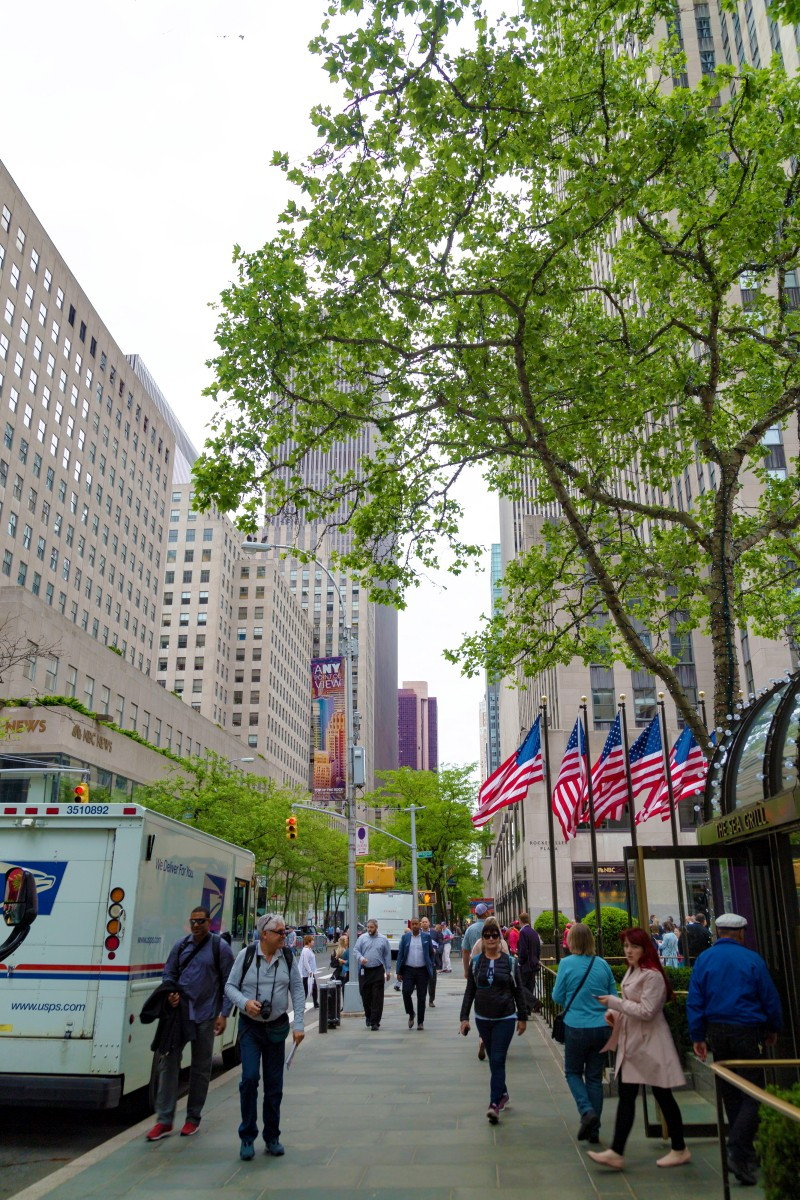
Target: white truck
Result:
[115, 885]
[392, 911]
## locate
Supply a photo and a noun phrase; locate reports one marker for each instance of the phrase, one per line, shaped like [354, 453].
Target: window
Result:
[72, 680]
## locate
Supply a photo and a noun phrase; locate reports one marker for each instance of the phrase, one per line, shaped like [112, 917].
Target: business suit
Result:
[415, 978]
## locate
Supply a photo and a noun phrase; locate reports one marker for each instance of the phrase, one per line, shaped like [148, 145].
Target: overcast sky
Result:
[141, 133]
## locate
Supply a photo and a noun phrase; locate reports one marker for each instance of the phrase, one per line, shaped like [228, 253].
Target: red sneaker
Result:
[190, 1129]
[159, 1131]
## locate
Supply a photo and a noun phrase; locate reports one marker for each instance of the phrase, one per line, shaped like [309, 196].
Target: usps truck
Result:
[392, 911]
[115, 886]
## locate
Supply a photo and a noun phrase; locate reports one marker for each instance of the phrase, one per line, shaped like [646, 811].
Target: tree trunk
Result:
[723, 615]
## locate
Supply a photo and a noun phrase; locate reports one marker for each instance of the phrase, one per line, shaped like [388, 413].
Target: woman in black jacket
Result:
[493, 983]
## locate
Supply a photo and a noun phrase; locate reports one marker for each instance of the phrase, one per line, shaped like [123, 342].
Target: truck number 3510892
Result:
[87, 810]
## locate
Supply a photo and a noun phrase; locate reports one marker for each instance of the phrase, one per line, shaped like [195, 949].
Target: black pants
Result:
[626, 1111]
[739, 1041]
[432, 988]
[311, 979]
[370, 983]
[528, 977]
[415, 979]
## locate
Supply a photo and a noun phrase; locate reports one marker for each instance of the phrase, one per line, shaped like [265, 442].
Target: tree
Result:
[444, 827]
[520, 249]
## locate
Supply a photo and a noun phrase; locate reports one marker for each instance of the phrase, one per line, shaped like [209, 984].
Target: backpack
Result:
[250, 954]
[512, 965]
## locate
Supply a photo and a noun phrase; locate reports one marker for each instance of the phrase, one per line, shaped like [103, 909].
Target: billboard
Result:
[329, 734]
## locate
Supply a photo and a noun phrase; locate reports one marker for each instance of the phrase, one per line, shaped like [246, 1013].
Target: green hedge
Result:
[613, 920]
[544, 925]
[778, 1147]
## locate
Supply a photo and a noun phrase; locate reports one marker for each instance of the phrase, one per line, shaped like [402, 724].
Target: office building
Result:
[109, 581]
[417, 727]
[373, 626]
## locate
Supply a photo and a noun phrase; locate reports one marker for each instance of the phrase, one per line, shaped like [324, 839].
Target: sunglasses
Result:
[491, 935]
[280, 932]
[198, 920]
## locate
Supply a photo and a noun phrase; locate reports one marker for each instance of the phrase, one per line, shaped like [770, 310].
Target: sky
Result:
[141, 133]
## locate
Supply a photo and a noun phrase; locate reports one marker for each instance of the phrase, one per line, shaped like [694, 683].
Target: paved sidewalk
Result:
[394, 1115]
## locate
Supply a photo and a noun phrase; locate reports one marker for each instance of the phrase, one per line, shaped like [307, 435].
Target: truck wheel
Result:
[231, 1056]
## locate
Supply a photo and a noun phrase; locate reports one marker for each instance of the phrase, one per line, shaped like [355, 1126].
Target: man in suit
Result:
[415, 968]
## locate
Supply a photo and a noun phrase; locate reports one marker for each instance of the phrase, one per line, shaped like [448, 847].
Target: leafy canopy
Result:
[519, 249]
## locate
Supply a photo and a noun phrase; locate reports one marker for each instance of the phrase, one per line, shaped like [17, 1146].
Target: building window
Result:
[72, 680]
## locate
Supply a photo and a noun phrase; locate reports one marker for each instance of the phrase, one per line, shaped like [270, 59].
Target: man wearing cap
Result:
[472, 934]
[734, 1003]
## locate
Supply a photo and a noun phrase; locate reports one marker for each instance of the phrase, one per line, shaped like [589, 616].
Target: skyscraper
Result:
[417, 727]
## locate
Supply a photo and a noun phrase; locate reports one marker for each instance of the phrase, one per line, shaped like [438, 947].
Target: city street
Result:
[392, 1115]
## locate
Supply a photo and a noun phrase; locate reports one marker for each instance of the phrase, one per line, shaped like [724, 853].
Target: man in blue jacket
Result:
[734, 1003]
[415, 967]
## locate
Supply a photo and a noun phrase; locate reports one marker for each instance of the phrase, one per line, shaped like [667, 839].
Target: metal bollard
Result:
[334, 990]
[322, 997]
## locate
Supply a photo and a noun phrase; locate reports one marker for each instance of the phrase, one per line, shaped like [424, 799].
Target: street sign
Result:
[362, 840]
[451, 882]
[424, 854]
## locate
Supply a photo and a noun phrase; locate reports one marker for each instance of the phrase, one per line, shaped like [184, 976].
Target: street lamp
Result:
[352, 776]
[231, 761]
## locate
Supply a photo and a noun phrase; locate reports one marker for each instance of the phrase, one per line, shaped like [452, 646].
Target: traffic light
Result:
[291, 829]
[427, 898]
[81, 793]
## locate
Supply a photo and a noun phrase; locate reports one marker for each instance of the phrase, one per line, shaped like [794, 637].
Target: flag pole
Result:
[550, 829]
[631, 804]
[592, 834]
[674, 827]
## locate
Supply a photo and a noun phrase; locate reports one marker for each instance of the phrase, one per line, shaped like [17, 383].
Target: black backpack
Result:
[250, 954]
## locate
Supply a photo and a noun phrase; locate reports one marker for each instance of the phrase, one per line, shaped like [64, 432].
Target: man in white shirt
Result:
[414, 968]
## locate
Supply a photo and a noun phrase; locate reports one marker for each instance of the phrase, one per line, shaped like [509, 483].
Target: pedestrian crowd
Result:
[733, 1008]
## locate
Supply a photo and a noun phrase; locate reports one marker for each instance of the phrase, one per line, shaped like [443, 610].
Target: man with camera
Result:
[264, 984]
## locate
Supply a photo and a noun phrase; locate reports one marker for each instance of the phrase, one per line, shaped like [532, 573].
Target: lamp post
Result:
[351, 992]
[231, 761]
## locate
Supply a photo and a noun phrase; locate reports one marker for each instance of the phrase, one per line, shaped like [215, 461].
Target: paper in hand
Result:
[291, 1055]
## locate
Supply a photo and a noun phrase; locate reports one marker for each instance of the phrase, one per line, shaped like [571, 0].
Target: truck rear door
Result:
[49, 989]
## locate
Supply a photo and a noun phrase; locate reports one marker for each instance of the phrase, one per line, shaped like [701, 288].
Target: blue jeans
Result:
[259, 1052]
[496, 1037]
[583, 1065]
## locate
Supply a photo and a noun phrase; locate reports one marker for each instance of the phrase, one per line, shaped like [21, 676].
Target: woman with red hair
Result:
[645, 1050]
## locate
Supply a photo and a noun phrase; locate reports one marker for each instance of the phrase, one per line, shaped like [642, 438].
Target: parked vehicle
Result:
[392, 911]
[115, 884]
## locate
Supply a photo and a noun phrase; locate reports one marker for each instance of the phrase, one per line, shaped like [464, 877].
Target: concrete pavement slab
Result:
[394, 1115]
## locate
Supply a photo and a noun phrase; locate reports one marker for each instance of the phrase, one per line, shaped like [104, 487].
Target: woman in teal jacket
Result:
[582, 977]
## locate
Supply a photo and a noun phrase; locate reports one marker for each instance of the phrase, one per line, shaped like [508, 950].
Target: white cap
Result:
[731, 921]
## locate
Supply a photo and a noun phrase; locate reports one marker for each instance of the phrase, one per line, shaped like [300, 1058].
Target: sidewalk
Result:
[394, 1115]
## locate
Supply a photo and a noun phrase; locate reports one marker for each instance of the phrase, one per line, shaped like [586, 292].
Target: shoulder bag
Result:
[559, 1030]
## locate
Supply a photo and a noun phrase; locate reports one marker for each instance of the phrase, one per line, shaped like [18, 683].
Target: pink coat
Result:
[641, 1037]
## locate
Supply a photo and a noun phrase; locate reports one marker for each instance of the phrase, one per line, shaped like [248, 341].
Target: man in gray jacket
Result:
[374, 958]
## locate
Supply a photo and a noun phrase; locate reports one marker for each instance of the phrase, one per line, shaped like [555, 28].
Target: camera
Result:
[266, 1010]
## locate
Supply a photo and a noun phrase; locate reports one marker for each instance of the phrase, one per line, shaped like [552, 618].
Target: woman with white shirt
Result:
[308, 969]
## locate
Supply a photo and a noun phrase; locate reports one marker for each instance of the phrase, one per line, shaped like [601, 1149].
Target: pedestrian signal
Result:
[291, 829]
[81, 793]
[427, 898]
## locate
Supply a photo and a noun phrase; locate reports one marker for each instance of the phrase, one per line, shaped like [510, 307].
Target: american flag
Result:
[688, 768]
[569, 793]
[511, 780]
[646, 761]
[609, 784]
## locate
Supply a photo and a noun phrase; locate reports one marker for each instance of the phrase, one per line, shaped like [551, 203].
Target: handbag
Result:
[559, 1033]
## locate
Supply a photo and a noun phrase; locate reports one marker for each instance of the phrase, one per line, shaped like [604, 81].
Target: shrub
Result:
[778, 1147]
[544, 925]
[614, 920]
